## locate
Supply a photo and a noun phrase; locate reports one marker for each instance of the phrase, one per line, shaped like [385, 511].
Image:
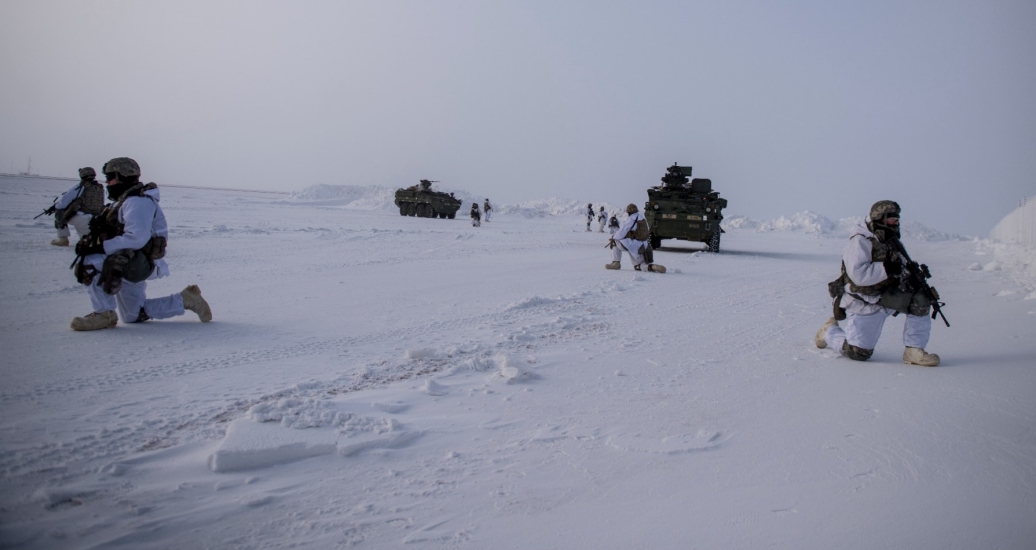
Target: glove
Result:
[85, 248]
[50, 210]
[893, 268]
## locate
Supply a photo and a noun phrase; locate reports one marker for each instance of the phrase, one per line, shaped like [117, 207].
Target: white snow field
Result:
[378, 381]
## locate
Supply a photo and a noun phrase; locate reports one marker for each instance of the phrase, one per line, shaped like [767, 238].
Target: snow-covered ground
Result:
[378, 381]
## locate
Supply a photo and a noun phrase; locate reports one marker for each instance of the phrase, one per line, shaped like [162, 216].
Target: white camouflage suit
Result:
[602, 218]
[143, 219]
[80, 221]
[865, 318]
[623, 242]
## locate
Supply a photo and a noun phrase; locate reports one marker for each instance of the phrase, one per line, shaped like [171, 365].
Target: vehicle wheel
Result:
[451, 216]
[411, 209]
[714, 242]
[402, 209]
[656, 242]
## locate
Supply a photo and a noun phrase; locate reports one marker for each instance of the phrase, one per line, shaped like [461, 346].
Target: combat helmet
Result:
[876, 220]
[884, 209]
[87, 173]
[123, 166]
[631, 208]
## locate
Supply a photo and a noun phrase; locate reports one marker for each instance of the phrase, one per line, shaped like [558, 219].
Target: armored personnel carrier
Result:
[420, 200]
[685, 209]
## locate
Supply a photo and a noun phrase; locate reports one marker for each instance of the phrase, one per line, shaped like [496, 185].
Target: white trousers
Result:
[131, 298]
[863, 331]
[635, 256]
[487, 214]
[80, 221]
[600, 223]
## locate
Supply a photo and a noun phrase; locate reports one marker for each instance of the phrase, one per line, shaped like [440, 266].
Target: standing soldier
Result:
[78, 206]
[589, 215]
[871, 288]
[613, 224]
[602, 218]
[633, 237]
[476, 216]
[125, 247]
[488, 208]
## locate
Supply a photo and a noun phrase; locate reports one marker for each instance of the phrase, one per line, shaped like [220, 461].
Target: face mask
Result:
[116, 190]
[883, 232]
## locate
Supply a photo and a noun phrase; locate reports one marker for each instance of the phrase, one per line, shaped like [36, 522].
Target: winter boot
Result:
[613, 265]
[96, 321]
[820, 339]
[193, 301]
[918, 356]
[60, 241]
[656, 268]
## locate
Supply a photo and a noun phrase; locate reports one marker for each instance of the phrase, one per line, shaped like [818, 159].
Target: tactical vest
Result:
[107, 225]
[91, 200]
[870, 290]
[639, 231]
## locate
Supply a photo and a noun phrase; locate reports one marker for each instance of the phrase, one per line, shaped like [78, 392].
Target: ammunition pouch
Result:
[132, 265]
[155, 248]
[904, 300]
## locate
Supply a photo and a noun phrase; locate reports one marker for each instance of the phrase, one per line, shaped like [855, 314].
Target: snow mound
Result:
[554, 206]
[298, 413]
[1018, 227]
[357, 197]
[1013, 244]
[811, 223]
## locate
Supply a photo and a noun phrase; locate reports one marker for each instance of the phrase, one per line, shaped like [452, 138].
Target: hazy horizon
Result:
[786, 107]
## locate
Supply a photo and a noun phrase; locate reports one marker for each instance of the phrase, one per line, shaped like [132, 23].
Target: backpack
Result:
[640, 231]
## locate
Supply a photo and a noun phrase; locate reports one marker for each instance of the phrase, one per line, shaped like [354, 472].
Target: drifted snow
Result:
[378, 381]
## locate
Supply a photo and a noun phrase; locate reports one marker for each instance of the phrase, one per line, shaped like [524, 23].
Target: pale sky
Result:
[820, 105]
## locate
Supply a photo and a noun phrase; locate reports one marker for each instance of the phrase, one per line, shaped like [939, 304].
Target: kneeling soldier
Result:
[871, 288]
[125, 247]
[77, 206]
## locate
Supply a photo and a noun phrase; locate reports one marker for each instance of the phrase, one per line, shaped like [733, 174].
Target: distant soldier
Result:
[871, 288]
[613, 224]
[488, 208]
[78, 206]
[633, 237]
[476, 216]
[125, 247]
[602, 218]
[589, 215]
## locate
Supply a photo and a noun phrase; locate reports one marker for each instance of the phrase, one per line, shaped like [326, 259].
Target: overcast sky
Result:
[787, 106]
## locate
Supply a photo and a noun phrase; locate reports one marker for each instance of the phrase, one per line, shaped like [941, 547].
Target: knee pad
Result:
[856, 353]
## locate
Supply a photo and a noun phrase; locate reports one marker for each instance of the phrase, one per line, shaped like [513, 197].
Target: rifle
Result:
[50, 210]
[918, 275]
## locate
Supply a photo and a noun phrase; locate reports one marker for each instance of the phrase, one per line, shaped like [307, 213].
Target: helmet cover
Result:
[882, 209]
[124, 166]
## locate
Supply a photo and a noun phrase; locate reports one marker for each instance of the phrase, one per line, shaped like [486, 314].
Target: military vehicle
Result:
[685, 210]
[420, 200]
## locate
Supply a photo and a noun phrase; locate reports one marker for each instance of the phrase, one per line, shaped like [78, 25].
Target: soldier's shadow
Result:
[787, 256]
